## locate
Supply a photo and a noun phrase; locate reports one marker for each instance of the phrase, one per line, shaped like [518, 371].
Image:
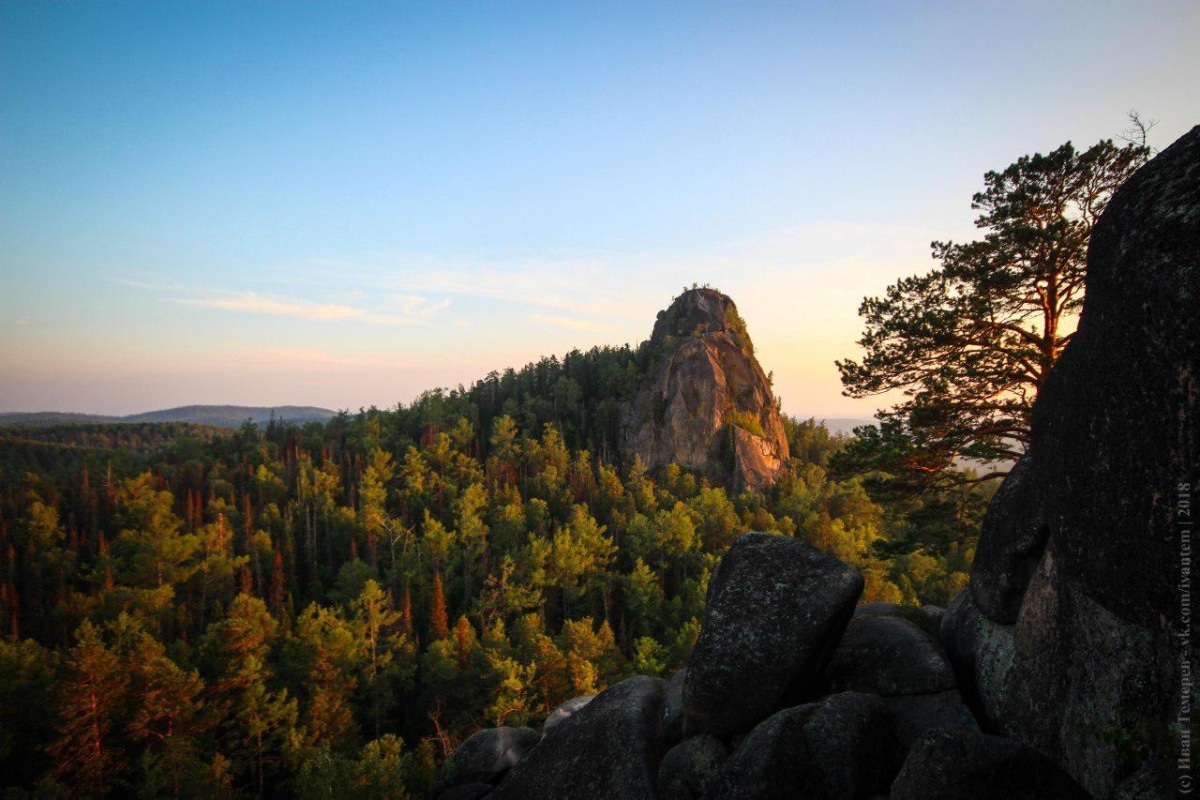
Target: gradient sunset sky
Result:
[342, 204]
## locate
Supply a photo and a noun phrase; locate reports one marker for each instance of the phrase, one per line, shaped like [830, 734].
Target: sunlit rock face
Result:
[1082, 557]
[707, 405]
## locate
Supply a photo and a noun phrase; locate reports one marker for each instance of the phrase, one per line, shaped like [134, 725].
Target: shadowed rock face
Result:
[1010, 546]
[839, 747]
[774, 612]
[1114, 430]
[689, 766]
[704, 376]
[1081, 554]
[889, 656]
[950, 765]
[610, 747]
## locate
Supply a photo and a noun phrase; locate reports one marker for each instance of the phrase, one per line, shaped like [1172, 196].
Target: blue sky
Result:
[343, 204]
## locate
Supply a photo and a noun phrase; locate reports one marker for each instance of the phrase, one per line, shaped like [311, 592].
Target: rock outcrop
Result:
[775, 610]
[708, 405]
[839, 747]
[889, 656]
[1076, 638]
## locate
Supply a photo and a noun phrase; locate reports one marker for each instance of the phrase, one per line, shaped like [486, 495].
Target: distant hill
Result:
[43, 418]
[220, 416]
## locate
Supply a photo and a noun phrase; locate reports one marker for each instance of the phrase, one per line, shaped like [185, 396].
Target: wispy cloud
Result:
[595, 284]
[420, 307]
[628, 285]
[574, 324]
[355, 302]
[253, 303]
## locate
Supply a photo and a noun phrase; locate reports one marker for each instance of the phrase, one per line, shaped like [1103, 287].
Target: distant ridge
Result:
[221, 416]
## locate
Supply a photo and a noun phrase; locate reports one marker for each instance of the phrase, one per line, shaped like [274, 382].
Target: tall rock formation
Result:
[708, 405]
[1077, 630]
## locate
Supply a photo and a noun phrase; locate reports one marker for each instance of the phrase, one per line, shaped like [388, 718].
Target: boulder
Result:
[564, 711]
[889, 656]
[841, 747]
[610, 747]
[486, 755]
[775, 610]
[1113, 430]
[1010, 545]
[915, 714]
[688, 767]
[1094, 668]
[982, 653]
[953, 765]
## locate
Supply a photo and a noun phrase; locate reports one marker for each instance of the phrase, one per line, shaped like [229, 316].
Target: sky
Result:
[345, 204]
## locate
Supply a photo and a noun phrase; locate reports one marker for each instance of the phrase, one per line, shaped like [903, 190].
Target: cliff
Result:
[707, 404]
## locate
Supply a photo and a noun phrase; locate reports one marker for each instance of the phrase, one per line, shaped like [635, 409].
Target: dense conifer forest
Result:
[328, 610]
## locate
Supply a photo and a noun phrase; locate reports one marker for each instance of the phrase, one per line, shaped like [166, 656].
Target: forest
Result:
[328, 610]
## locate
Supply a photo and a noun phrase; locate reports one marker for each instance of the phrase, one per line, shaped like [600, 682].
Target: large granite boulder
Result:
[707, 404]
[610, 747]
[889, 656]
[955, 765]
[886, 654]
[982, 652]
[1010, 547]
[487, 755]
[1098, 639]
[841, 747]
[775, 610]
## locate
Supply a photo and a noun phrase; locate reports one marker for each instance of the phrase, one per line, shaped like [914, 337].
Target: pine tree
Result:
[168, 706]
[92, 697]
[326, 651]
[971, 342]
[373, 621]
